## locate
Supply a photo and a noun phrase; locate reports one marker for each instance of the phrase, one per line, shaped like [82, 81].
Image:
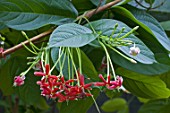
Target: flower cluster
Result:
[56, 87]
[53, 86]
[108, 83]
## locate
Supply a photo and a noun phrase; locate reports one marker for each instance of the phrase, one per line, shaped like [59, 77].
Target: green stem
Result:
[109, 59]
[79, 58]
[59, 57]
[62, 65]
[130, 32]
[89, 24]
[42, 61]
[120, 32]
[115, 27]
[47, 52]
[97, 107]
[130, 59]
[29, 49]
[78, 82]
[32, 44]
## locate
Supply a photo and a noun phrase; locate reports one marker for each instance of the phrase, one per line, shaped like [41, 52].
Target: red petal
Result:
[101, 77]
[62, 79]
[108, 79]
[39, 74]
[99, 84]
[47, 69]
[53, 77]
[87, 85]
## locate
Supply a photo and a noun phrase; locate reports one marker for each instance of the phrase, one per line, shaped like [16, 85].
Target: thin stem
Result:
[130, 59]
[29, 49]
[116, 25]
[59, 56]
[130, 32]
[68, 62]
[79, 58]
[78, 82]
[97, 107]
[64, 59]
[47, 51]
[89, 24]
[42, 61]
[109, 59]
[56, 61]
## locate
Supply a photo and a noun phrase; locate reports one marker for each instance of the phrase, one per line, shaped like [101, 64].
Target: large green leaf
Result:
[166, 78]
[146, 34]
[156, 106]
[32, 14]
[117, 104]
[166, 25]
[164, 5]
[106, 26]
[144, 86]
[154, 25]
[83, 5]
[71, 35]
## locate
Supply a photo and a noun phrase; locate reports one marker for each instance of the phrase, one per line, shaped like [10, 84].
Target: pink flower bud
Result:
[19, 80]
[1, 49]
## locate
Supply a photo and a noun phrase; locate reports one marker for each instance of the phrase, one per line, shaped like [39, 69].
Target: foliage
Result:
[84, 47]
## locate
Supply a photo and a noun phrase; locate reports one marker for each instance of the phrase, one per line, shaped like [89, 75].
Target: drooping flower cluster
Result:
[53, 86]
[56, 87]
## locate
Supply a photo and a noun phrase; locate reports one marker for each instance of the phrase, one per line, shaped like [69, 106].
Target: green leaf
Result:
[150, 1]
[153, 38]
[98, 2]
[83, 5]
[32, 14]
[106, 26]
[166, 78]
[154, 26]
[30, 92]
[116, 104]
[79, 106]
[71, 35]
[156, 106]
[144, 86]
[166, 25]
[164, 5]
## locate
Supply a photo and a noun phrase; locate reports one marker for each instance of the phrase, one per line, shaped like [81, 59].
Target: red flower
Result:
[19, 80]
[109, 84]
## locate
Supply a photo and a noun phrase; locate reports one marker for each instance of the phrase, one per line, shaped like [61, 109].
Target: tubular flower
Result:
[19, 80]
[108, 83]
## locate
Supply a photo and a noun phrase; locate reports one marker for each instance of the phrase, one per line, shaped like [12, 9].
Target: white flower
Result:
[134, 50]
